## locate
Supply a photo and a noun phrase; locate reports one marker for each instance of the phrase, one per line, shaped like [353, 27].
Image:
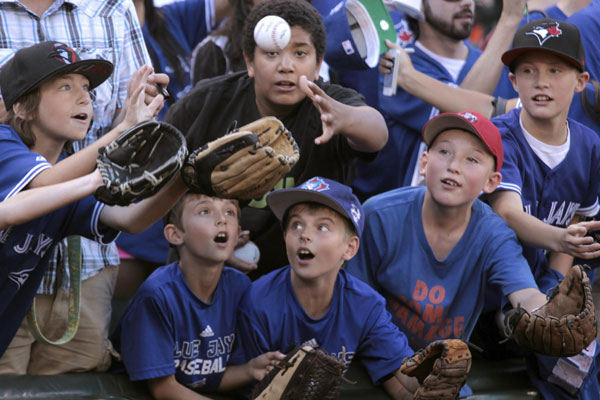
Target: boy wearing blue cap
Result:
[313, 301]
[550, 180]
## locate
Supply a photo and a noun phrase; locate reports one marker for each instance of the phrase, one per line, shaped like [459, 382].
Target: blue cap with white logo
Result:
[324, 191]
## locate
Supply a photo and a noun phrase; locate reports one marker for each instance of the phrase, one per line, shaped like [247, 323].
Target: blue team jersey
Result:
[432, 299]
[356, 324]
[25, 249]
[554, 195]
[167, 330]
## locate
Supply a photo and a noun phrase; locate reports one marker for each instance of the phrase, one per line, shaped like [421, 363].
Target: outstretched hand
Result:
[330, 114]
[137, 108]
[575, 242]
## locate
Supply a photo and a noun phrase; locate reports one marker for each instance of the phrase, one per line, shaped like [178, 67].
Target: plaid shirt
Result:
[106, 29]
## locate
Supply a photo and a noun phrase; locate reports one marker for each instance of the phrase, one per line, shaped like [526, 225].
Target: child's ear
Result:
[423, 162]
[249, 65]
[20, 113]
[513, 80]
[582, 80]
[351, 248]
[173, 235]
[492, 182]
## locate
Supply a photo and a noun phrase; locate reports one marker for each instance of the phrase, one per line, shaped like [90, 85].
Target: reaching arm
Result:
[255, 370]
[483, 76]
[529, 299]
[84, 161]
[167, 388]
[536, 233]
[138, 217]
[444, 97]
[364, 127]
[33, 203]
[400, 386]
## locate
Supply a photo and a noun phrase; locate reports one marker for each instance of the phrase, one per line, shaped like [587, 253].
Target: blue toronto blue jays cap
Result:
[549, 35]
[356, 34]
[33, 65]
[324, 191]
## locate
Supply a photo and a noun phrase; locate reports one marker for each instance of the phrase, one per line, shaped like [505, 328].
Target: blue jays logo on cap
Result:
[315, 184]
[469, 117]
[545, 32]
[63, 53]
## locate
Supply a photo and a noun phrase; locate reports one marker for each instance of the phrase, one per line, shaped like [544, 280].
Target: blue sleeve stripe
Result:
[27, 178]
[95, 221]
[510, 186]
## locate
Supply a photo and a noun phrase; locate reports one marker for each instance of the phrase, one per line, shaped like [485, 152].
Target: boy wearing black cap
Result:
[433, 251]
[550, 179]
[313, 301]
[46, 91]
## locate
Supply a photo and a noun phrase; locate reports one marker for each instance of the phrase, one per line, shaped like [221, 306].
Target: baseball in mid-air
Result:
[272, 33]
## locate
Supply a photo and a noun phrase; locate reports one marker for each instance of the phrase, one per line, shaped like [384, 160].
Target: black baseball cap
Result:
[35, 64]
[550, 35]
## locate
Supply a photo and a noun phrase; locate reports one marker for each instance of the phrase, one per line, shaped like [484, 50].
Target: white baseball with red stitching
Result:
[272, 33]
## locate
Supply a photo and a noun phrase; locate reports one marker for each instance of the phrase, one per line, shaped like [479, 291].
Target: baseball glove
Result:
[244, 164]
[305, 373]
[139, 162]
[563, 326]
[441, 369]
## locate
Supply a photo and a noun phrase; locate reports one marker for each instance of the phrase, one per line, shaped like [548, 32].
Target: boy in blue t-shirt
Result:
[179, 329]
[550, 179]
[313, 301]
[433, 251]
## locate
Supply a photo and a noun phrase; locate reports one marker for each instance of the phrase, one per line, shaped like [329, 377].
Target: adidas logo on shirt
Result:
[312, 343]
[207, 332]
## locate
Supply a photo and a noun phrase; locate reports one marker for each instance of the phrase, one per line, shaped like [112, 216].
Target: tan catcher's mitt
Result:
[139, 162]
[563, 326]
[305, 373]
[244, 164]
[441, 369]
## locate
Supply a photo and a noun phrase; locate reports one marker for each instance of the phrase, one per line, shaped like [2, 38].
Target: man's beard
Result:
[447, 27]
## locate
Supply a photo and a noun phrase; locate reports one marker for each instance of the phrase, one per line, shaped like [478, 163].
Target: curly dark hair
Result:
[295, 12]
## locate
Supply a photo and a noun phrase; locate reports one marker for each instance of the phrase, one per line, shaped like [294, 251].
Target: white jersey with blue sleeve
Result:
[356, 325]
[25, 249]
[553, 195]
[167, 330]
[432, 299]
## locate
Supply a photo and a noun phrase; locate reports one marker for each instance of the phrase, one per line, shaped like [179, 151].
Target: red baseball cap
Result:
[470, 121]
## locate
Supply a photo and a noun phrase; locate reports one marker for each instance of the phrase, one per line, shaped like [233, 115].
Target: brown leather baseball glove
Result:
[305, 373]
[244, 164]
[563, 326]
[441, 369]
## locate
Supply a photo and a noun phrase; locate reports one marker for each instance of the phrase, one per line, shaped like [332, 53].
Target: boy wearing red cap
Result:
[551, 179]
[433, 251]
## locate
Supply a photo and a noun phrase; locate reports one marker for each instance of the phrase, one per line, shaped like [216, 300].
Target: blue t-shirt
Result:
[355, 325]
[554, 195]
[432, 299]
[167, 330]
[25, 249]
